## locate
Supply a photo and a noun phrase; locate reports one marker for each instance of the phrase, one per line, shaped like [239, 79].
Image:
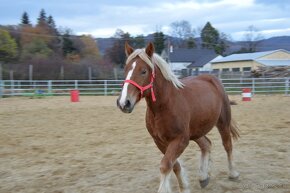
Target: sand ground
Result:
[51, 145]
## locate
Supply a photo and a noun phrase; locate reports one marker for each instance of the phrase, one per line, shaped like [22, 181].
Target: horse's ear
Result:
[150, 49]
[128, 49]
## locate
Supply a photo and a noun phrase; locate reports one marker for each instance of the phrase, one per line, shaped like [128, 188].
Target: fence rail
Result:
[113, 87]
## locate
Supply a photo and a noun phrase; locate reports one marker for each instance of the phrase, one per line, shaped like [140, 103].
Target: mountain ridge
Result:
[272, 43]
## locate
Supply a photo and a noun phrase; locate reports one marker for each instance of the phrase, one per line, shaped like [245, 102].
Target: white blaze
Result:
[124, 93]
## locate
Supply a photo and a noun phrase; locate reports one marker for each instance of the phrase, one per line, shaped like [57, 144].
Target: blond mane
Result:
[158, 61]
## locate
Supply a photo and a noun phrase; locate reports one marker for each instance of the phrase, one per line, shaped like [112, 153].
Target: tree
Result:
[42, 19]
[25, 19]
[191, 43]
[252, 39]
[212, 39]
[117, 52]
[184, 32]
[55, 41]
[90, 48]
[159, 42]
[29, 33]
[46, 30]
[8, 46]
[138, 41]
[222, 45]
[68, 48]
[209, 36]
[50, 22]
[36, 49]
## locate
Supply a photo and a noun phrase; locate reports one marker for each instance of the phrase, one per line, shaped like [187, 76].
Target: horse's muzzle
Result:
[127, 107]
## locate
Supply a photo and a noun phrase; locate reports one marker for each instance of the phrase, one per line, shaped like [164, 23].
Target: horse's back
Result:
[203, 84]
[207, 78]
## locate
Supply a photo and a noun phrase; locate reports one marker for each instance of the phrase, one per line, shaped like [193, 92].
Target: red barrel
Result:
[74, 95]
[246, 94]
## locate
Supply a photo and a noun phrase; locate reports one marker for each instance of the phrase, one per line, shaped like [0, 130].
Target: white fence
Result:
[113, 87]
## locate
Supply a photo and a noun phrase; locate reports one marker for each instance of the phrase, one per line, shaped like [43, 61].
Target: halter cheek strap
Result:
[144, 88]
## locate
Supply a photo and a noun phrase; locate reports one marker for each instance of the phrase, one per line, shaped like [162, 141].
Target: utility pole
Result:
[61, 72]
[1, 76]
[30, 72]
[90, 72]
[11, 75]
[1, 81]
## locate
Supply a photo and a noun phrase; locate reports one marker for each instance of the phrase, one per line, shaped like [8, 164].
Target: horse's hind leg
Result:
[205, 147]
[227, 142]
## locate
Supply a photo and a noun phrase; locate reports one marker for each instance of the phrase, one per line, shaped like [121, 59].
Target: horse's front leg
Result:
[173, 151]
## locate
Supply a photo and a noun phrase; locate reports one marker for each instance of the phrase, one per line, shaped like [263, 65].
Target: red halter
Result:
[143, 88]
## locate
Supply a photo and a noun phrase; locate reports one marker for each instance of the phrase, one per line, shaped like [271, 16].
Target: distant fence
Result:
[113, 87]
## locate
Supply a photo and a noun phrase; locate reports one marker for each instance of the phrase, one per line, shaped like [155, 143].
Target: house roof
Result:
[246, 56]
[196, 57]
[274, 62]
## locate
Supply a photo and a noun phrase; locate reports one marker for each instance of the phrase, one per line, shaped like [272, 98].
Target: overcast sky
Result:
[101, 18]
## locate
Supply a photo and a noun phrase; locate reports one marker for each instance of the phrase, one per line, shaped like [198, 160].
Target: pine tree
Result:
[191, 43]
[159, 42]
[209, 36]
[50, 22]
[42, 19]
[138, 42]
[67, 44]
[52, 26]
[211, 39]
[25, 19]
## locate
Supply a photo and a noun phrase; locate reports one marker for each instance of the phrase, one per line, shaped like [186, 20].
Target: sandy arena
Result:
[51, 145]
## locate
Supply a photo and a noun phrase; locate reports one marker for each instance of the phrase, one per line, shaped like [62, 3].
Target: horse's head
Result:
[139, 78]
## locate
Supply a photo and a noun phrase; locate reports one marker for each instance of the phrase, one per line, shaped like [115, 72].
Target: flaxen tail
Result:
[225, 120]
[234, 130]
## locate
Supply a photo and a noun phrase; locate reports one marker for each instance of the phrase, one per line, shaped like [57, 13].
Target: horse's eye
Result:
[143, 72]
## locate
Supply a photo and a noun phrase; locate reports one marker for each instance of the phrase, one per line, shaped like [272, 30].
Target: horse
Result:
[177, 111]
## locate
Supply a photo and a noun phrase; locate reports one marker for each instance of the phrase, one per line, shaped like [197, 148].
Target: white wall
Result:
[178, 66]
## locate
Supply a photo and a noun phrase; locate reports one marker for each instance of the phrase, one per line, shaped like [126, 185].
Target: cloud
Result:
[101, 18]
[109, 32]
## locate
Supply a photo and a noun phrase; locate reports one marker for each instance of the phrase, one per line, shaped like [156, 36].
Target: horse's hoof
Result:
[204, 183]
[234, 177]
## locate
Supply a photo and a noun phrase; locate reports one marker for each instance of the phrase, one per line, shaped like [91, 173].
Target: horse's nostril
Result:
[127, 104]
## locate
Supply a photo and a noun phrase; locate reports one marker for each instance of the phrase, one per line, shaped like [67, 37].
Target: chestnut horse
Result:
[177, 111]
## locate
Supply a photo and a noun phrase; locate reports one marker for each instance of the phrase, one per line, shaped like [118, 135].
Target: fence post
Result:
[49, 87]
[253, 85]
[1, 81]
[90, 73]
[30, 72]
[34, 84]
[1, 88]
[76, 84]
[106, 87]
[12, 87]
[287, 86]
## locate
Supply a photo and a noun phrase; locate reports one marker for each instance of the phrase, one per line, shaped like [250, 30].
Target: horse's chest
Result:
[163, 130]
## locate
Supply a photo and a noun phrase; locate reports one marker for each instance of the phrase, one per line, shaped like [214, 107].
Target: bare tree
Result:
[183, 31]
[252, 39]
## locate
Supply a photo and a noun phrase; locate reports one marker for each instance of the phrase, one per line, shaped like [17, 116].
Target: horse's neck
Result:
[163, 90]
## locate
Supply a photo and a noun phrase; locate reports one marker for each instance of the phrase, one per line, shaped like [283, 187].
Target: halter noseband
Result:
[143, 88]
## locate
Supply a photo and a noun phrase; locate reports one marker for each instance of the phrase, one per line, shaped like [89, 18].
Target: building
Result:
[195, 59]
[250, 61]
